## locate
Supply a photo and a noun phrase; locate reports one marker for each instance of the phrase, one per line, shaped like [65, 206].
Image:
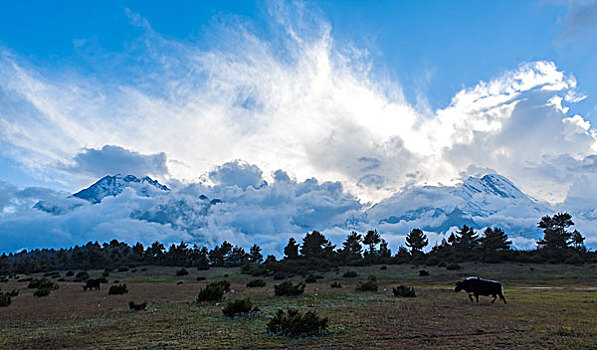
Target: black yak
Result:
[92, 284]
[476, 286]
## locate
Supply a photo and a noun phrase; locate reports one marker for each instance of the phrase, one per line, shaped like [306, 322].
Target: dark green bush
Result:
[70, 273]
[289, 289]
[42, 283]
[350, 274]
[238, 307]
[5, 299]
[423, 273]
[369, 286]
[213, 292]
[83, 276]
[310, 279]
[384, 267]
[256, 283]
[42, 292]
[335, 285]
[123, 269]
[403, 291]
[137, 307]
[182, 272]
[453, 267]
[119, 289]
[279, 276]
[201, 278]
[294, 324]
[13, 293]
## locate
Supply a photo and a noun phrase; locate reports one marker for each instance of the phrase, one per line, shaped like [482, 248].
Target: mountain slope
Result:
[114, 185]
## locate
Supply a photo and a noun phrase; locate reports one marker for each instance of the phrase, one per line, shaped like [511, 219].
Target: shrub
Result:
[5, 299]
[350, 274]
[61, 280]
[42, 283]
[368, 286]
[453, 267]
[294, 324]
[83, 275]
[238, 307]
[123, 269]
[310, 279]
[384, 267]
[70, 273]
[42, 292]
[182, 272]
[289, 289]
[279, 275]
[105, 274]
[102, 280]
[137, 307]
[423, 273]
[119, 289]
[200, 278]
[256, 283]
[335, 285]
[403, 291]
[213, 292]
[13, 293]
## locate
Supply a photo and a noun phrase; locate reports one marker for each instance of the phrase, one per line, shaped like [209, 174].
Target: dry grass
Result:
[437, 318]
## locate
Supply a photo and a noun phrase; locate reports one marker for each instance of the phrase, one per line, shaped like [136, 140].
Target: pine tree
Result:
[466, 240]
[315, 245]
[556, 237]
[291, 249]
[372, 238]
[351, 248]
[416, 240]
[255, 254]
[494, 240]
[578, 241]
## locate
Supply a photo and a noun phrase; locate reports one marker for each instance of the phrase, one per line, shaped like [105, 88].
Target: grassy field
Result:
[563, 317]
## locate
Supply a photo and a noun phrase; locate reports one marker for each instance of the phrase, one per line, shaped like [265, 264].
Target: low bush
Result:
[403, 291]
[238, 307]
[289, 289]
[123, 269]
[42, 283]
[256, 283]
[423, 273]
[102, 280]
[201, 278]
[279, 276]
[335, 285]
[182, 272]
[119, 289]
[42, 292]
[70, 273]
[213, 292]
[83, 276]
[13, 293]
[368, 286]
[350, 274]
[294, 324]
[105, 274]
[5, 299]
[453, 267]
[137, 307]
[384, 267]
[310, 279]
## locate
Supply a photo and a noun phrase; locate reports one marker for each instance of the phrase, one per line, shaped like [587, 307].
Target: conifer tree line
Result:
[316, 252]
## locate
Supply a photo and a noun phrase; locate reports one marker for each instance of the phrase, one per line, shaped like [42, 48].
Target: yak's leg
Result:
[477, 297]
[470, 296]
[503, 298]
[494, 297]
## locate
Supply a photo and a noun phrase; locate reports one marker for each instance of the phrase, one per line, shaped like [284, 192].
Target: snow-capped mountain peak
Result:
[114, 185]
[491, 184]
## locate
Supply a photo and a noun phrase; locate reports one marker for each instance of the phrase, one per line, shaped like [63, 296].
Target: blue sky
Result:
[380, 96]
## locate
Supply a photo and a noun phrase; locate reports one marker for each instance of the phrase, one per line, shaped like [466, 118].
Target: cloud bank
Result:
[293, 99]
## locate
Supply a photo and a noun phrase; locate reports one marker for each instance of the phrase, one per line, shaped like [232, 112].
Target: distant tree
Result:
[156, 251]
[385, 253]
[219, 255]
[291, 249]
[372, 238]
[138, 249]
[236, 257]
[416, 240]
[203, 259]
[578, 241]
[466, 240]
[315, 245]
[494, 240]
[351, 247]
[556, 237]
[255, 254]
